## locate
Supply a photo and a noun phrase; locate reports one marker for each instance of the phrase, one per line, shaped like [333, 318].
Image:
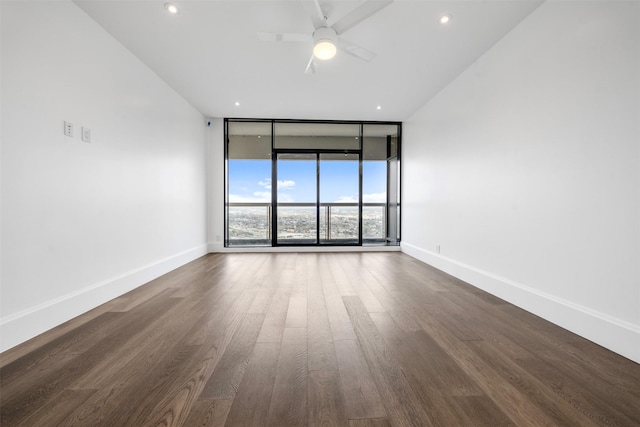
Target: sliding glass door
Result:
[317, 199]
[296, 198]
[340, 198]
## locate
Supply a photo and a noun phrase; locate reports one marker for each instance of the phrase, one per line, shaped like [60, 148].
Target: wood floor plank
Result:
[39, 356]
[209, 413]
[55, 411]
[199, 283]
[194, 364]
[358, 283]
[586, 400]
[340, 277]
[480, 411]
[377, 422]
[428, 370]
[485, 316]
[326, 403]
[402, 405]
[288, 278]
[453, 317]
[362, 399]
[130, 403]
[537, 392]
[321, 353]
[614, 369]
[261, 302]
[296, 312]
[420, 355]
[512, 402]
[341, 328]
[178, 396]
[21, 383]
[390, 304]
[289, 398]
[251, 404]
[339, 321]
[175, 395]
[226, 378]
[150, 345]
[224, 323]
[37, 344]
[483, 323]
[217, 304]
[273, 326]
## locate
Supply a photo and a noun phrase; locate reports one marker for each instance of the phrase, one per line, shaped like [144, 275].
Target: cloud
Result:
[374, 198]
[286, 184]
[346, 199]
[266, 183]
[265, 196]
[257, 197]
[283, 184]
[366, 198]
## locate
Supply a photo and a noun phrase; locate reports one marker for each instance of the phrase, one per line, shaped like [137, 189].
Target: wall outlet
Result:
[437, 248]
[86, 134]
[68, 129]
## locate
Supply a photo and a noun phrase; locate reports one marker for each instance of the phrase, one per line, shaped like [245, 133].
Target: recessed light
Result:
[171, 8]
[379, 107]
[237, 104]
[445, 19]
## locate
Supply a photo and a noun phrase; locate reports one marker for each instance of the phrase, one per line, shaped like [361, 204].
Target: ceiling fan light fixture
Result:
[324, 43]
[324, 49]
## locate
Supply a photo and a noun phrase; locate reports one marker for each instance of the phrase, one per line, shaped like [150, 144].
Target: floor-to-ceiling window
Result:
[312, 183]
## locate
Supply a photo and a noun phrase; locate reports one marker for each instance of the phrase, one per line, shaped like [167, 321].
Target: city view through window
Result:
[250, 189]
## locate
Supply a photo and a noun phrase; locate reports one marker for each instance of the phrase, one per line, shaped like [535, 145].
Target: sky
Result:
[250, 181]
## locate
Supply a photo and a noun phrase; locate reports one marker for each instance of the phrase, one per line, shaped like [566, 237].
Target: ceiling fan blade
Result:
[284, 37]
[359, 14]
[311, 67]
[315, 13]
[355, 50]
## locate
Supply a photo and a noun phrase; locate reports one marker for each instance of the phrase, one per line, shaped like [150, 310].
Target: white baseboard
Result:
[615, 334]
[26, 324]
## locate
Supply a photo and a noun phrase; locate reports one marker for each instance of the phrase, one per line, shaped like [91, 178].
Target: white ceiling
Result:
[210, 54]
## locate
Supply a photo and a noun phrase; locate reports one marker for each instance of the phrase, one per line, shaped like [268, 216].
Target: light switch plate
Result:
[68, 129]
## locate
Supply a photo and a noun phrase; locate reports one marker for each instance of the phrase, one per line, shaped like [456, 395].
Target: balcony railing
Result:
[250, 223]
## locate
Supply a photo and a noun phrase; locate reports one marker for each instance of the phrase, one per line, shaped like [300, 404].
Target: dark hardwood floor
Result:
[344, 339]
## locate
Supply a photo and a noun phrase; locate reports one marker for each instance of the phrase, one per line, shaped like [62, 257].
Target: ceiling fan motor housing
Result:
[324, 43]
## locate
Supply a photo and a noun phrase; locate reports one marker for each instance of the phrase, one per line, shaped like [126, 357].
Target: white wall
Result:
[526, 171]
[85, 222]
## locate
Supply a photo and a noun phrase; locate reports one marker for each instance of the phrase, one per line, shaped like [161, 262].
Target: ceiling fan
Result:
[327, 39]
